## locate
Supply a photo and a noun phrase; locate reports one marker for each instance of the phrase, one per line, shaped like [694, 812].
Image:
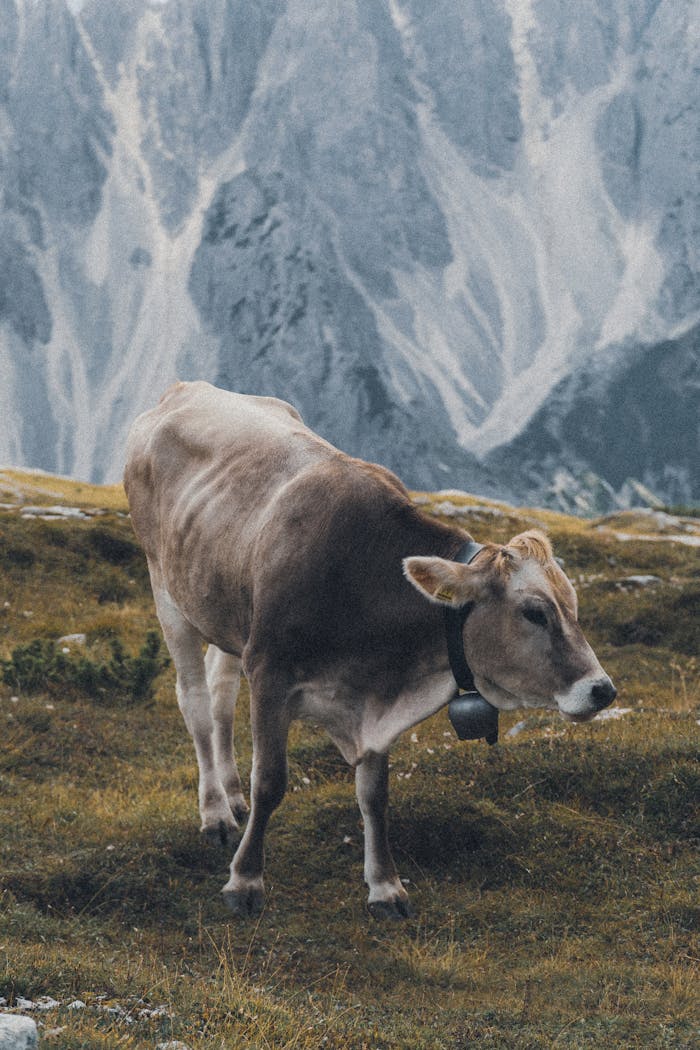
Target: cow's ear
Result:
[444, 582]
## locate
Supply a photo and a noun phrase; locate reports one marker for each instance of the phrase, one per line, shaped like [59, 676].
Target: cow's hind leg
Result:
[186, 648]
[269, 719]
[387, 897]
[224, 679]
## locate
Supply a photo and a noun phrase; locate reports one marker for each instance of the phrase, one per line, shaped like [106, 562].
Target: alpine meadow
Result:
[462, 239]
[554, 876]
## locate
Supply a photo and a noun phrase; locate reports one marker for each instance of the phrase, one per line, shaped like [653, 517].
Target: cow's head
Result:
[522, 637]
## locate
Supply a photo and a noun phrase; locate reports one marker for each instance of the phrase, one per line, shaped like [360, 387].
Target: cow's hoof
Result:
[398, 908]
[246, 903]
[221, 833]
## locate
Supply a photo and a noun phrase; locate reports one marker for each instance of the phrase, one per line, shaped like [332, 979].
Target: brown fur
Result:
[286, 556]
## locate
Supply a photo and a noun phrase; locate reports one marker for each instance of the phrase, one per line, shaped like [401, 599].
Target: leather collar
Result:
[455, 619]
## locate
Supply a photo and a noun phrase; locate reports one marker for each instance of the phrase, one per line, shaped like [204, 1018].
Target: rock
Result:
[639, 581]
[447, 509]
[174, 1044]
[51, 513]
[72, 639]
[613, 712]
[517, 728]
[17, 1032]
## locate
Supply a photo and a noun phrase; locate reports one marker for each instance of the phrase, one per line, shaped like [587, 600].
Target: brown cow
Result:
[315, 574]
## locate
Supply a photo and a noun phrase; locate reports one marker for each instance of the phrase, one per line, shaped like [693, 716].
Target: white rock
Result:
[612, 712]
[517, 728]
[174, 1044]
[447, 509]
[639, 581]
[45, 1002]
[72, 639]
[17, 1032]
[50, 513]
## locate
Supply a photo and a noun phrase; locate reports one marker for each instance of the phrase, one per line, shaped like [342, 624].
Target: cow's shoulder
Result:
[328, 563]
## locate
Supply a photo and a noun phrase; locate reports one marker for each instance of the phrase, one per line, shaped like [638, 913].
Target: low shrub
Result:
[110, 585]
[41, 666]
[115, 549]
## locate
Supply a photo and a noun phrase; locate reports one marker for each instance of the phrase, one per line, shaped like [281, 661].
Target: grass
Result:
[555, 877]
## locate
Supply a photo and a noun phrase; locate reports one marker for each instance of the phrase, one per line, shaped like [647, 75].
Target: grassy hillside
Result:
[555, 877]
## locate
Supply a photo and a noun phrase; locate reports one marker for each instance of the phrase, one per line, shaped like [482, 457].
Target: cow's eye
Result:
[535, 615]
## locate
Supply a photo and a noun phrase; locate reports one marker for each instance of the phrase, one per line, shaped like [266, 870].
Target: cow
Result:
[314, 573]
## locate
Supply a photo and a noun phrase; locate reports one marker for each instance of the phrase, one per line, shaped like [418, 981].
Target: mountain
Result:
[613, 433]
[453, 234]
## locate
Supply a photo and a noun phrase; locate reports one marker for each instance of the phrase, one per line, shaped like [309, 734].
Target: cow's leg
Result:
[269, 719]
[185, 645]
[224, 679]
[387, 897]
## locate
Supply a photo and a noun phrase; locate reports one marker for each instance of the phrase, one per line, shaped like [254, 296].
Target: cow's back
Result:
[203, 469]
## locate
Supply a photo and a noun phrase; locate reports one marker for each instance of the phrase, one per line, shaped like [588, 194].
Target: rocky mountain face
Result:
[461, 237]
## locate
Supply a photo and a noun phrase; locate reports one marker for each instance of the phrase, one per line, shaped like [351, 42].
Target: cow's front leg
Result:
[387, 897]
[244, 891]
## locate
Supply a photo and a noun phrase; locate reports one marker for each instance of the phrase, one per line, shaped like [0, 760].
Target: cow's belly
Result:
[321, 703]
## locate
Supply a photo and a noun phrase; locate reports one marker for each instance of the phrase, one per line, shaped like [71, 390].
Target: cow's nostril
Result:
[603, 693]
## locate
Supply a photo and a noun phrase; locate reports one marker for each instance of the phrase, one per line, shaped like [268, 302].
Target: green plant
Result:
[42, 666]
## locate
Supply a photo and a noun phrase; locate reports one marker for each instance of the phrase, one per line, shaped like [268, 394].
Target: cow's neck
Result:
[380, 666]
[426, 683]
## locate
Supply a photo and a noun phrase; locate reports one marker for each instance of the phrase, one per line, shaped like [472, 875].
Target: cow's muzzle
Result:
[586, 698]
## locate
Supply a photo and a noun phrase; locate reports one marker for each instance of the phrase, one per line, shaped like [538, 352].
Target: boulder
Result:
[17, 1032]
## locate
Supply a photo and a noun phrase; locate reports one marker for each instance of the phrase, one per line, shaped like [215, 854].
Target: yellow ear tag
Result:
[444, 595]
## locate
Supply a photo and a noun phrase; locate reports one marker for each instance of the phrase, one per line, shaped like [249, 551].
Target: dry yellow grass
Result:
[29, 486]
[555, 877]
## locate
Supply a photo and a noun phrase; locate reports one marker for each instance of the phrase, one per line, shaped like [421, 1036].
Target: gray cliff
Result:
[462, 237]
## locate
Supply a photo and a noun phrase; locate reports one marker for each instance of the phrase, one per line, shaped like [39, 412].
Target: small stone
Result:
[613, 712]
[517, 728]
[72, 639]
[639, 581]
[174, 1044]
[45, 1002]
[17, 1032]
